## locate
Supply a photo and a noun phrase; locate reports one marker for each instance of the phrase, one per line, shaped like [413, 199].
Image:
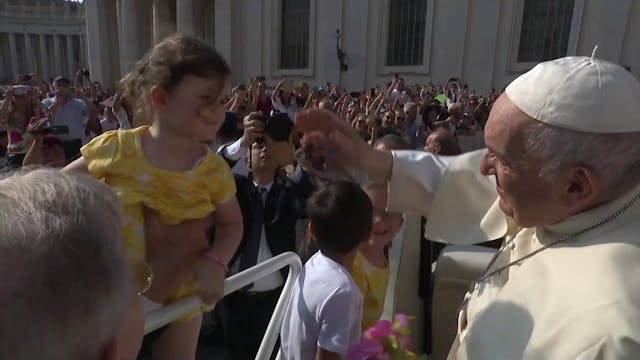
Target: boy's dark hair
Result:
[341, 217]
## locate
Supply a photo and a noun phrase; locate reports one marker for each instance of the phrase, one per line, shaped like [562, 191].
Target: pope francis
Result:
[560, 179]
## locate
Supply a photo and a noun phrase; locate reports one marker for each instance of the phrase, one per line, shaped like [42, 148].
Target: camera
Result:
[278, 126]
[54, 130]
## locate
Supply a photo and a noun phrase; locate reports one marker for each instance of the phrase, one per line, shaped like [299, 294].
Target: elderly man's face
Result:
[412, 113]
[523, 195]
[325, 105]
[431, 144]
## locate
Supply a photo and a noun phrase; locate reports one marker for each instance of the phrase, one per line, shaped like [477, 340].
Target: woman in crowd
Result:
[20, 105]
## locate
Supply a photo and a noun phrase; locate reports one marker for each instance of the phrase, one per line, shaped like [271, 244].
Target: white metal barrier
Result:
[170, 313]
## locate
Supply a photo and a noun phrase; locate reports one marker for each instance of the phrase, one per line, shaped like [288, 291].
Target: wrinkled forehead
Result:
[506, 127]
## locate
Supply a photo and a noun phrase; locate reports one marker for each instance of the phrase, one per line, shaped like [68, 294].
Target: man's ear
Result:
[158, 96]
[437, 149]
[311, 230]
[247, 159]
[581, 187]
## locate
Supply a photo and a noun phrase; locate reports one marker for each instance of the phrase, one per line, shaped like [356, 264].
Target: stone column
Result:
[93, 15]
[13, 50]
[83, 51]
[135, 32]
[57, 57]
[163, 26]
[28, 52]
[185, 19]
[71, 63]
[223, 31]
[44, 58]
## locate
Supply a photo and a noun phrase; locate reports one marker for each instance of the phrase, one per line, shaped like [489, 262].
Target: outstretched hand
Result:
[330, 145]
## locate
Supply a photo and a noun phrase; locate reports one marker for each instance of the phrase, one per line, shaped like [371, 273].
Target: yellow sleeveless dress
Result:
[372, 282]
[116, 157]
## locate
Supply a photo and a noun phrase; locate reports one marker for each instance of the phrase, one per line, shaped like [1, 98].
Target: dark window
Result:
[545, 30]
[407, 26]
[294, 38]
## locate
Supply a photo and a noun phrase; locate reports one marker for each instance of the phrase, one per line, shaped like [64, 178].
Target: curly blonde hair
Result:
[166, 64]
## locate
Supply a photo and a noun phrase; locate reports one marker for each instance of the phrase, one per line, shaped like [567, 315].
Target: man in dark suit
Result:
[271, 204]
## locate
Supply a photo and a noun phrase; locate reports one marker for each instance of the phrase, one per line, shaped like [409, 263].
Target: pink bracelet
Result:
[207, 255]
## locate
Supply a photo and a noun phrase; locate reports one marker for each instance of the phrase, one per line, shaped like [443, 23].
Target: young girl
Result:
[179, 86]
[371, 265]
[21, 104]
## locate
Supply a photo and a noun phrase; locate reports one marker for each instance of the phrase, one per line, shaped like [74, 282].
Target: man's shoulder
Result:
[78, 102]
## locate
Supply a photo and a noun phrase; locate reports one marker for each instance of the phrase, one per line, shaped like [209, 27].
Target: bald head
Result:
[442, 142]
[326, 104]
[455, 109]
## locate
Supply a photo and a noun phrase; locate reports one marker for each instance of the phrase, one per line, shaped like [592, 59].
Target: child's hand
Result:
[210, 278]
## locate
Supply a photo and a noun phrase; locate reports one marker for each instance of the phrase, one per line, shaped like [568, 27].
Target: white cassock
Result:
[579, 299]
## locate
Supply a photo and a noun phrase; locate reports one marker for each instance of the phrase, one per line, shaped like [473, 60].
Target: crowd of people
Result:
[47, 122]
[158, 192]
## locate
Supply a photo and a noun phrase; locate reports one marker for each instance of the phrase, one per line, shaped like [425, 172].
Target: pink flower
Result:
[405, 342]
[380, 330]
[402, 320]
[367, 349]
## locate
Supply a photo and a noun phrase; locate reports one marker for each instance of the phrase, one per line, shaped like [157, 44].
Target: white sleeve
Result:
[335, 335]
[278, 105]
[123, 119]
[611, 347]
[48, 103]
[297, 175]
[235, 151]
[415, 178]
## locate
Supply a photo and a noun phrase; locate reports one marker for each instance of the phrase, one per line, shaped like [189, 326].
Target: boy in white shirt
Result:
[324, 313]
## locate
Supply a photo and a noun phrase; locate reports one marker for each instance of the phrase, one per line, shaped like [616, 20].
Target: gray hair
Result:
[409, 105]
[615, 158]
[64, 275]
